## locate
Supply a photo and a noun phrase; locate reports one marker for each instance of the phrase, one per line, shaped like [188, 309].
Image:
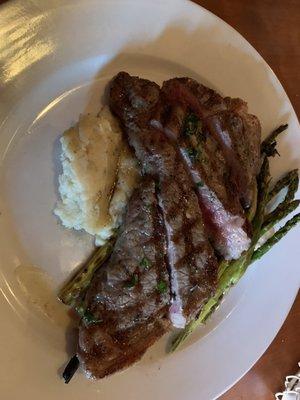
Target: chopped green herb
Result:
[161, 286]
[80, 309]
[86, 315]
[138, 164]
[89, 318]
[193, 154]
[132, 282]
[149, 207]
[157, 185]
[144, 169]
[145, 263]
[192, 125]
[199, 184]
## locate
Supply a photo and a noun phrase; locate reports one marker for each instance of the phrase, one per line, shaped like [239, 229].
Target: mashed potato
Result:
[99, 175]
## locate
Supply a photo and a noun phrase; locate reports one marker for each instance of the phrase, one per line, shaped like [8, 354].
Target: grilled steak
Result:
[129, 296]
[228, 122]
[191, 259]
[220, 143]
[196, 180]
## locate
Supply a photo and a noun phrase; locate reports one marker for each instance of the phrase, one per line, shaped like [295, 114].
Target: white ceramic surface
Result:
[55, 59]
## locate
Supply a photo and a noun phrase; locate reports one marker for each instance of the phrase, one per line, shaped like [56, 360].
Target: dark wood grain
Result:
[273, 28]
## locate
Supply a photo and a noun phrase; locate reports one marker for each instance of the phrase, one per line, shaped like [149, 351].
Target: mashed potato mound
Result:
[99, 175]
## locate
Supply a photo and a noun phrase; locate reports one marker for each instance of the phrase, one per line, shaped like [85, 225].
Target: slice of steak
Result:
[223, 214]
[192, 263]
[129, 297]
[227, 120]
[221, 146]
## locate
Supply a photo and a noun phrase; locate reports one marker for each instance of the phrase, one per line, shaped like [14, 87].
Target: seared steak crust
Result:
[130, 295]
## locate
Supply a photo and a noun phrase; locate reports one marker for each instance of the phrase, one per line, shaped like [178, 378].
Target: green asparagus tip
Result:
[280, 212]
[291, 181]
[268, 146]
[258, 253]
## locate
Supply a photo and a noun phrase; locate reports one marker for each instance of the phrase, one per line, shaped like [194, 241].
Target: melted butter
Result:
[40, 293]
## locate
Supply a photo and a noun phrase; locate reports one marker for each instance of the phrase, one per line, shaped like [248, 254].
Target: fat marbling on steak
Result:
[129, 296]
[191, 259]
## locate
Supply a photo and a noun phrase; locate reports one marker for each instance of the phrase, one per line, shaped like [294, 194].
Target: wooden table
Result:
[273, 28]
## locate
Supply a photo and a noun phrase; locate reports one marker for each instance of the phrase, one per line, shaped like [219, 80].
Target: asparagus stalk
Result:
[73, 290]
[222, 267]
[275, 238]
[291, 181]
[277, 215]
[230, 273]
[268, 146]
[229, 277]
[234, 272]
[263, 182]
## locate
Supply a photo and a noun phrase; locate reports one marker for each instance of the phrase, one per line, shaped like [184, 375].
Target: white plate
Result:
[56, 58]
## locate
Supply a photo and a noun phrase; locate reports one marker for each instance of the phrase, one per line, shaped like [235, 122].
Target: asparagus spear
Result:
[277, 215]
[73, 290]
[268, 146]
[275, 238]
[222, 267]
[291, 181]
[263, 182]
[230, 273]
[229, 277]
[233, 273]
